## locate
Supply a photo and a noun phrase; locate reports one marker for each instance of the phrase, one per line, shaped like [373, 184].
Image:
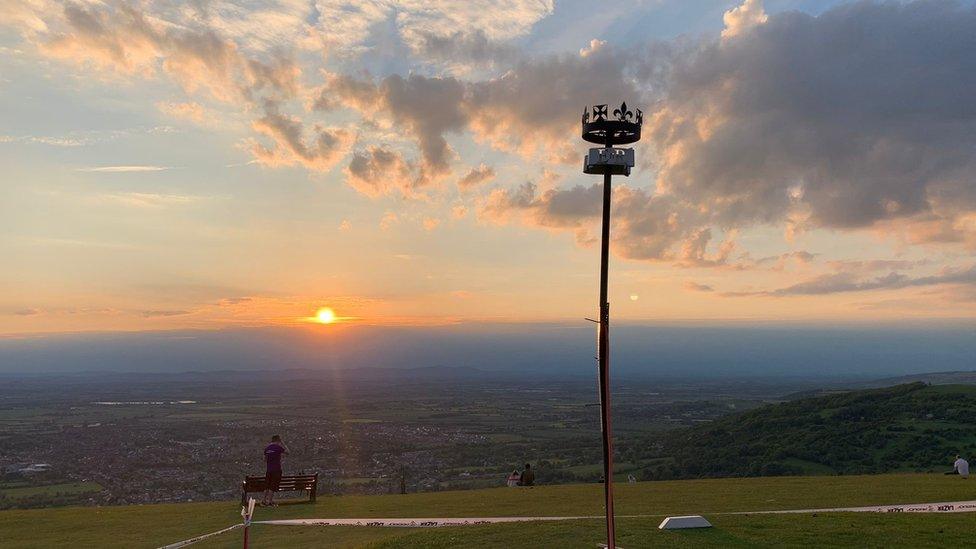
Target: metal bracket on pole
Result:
[610, 160]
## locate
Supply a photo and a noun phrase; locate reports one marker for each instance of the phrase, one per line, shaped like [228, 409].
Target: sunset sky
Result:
[217, 163]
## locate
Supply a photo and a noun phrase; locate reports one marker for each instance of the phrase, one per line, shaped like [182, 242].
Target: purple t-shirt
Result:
[272, 456]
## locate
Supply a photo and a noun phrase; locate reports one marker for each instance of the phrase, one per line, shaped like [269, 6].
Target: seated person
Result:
[960, 467]
[528, 477]
[513, 479]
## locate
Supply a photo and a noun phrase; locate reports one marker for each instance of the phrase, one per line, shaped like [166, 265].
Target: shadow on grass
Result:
[290, 502]
[284, 503]
[701, 537]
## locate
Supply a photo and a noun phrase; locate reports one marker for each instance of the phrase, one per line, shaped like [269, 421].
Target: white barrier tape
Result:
[191, 541]
[412, 522]
[943, 507]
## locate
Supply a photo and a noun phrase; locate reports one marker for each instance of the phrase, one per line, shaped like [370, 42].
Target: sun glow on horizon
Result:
[325, 315]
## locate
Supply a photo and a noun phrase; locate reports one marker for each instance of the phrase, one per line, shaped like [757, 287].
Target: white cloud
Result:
[379, 171]
[430, 223]
[190, 110]
[125, 169]
[742, 18]
[65, 141]
[327, 147]
[476, 176]
[592, 47]
[348, 24]
[152, 200]
[846, 282]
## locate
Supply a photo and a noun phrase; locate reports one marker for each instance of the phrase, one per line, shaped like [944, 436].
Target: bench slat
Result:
[290, 483]
[284, 479]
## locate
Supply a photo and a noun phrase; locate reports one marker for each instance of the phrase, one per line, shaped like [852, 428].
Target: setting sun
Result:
[325, 315]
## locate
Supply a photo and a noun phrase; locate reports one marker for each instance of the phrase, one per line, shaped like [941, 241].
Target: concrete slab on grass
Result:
[691, 521]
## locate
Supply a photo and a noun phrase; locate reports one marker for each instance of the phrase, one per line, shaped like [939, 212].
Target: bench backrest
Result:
[288, 483]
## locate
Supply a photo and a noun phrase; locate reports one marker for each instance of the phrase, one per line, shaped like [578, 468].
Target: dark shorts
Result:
[272, 479]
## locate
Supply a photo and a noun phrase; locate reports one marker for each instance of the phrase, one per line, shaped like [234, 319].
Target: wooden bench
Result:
[289, 483]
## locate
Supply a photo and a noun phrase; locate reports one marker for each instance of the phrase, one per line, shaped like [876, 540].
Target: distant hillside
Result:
[934, 378]
[911, 427]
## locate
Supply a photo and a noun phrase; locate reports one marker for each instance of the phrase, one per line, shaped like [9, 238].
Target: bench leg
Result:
[311, 493]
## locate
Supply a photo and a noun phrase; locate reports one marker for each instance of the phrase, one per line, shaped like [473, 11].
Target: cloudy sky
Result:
[229, 163]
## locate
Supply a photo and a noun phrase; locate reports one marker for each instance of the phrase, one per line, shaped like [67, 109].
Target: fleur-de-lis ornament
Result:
[599, 112]
[586, 115]
[640, 117]
[622, 113]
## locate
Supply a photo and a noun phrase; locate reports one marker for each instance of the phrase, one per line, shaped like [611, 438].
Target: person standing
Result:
[272, 476]
[528, 476]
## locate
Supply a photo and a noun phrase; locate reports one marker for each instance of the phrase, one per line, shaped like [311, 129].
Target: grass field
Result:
[154, 525]
[826, 530]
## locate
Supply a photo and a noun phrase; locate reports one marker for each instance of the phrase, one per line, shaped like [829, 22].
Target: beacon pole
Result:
[604, 358]
[608, 161]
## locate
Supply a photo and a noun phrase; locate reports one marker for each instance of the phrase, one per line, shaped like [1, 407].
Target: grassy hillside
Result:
[22, 494]
[911, 427]
[154, 525]
[931, 378]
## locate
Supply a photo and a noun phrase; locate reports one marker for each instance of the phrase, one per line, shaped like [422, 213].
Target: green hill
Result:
[155, 525]
[911, 427]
